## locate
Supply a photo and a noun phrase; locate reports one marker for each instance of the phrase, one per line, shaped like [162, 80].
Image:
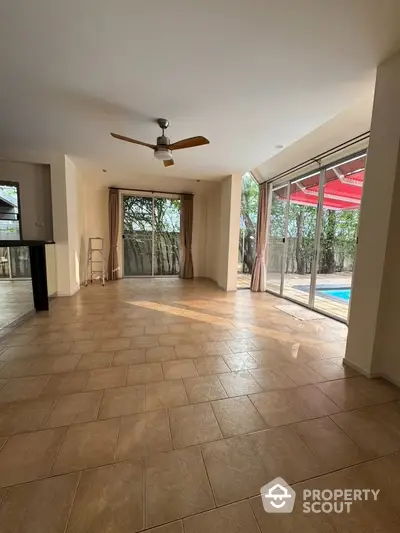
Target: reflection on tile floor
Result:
[16, 299]
[165, 405]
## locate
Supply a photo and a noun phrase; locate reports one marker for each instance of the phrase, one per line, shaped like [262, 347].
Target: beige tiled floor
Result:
[16, 300]
[165, 405]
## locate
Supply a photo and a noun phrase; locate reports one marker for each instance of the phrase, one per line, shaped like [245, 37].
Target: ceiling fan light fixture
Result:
[163, 154]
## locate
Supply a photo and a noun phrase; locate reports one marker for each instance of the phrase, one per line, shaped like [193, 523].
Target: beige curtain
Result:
[186, 236]
[258, 277]
[113, 217]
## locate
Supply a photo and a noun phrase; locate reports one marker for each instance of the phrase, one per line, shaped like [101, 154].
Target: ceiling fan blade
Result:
[189, 143]
[129, 140]
[168, 162]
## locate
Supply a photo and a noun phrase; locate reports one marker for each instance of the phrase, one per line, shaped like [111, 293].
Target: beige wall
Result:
[57, 163]
[199, 235]
[80, 211]
[375, 312]
[96, 220]
[386, 355]
[212, 232]
[229, 224]
[51, 269]
[96, 214]
[35, 197]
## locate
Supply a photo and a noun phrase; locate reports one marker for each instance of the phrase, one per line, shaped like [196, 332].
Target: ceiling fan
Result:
[163, 149]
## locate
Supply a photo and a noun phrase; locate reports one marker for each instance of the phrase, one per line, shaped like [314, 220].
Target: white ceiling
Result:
[347, 125]
[247, 74]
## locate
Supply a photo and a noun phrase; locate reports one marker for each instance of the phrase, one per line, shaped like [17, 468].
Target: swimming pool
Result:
[342, 294]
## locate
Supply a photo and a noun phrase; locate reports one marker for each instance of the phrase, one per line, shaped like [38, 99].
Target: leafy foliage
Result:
[140, 216]
[337, 241]
[248, 223]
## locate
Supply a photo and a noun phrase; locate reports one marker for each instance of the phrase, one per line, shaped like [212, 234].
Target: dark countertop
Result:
[24, 243]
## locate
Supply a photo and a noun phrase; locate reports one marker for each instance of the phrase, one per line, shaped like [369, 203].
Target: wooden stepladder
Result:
[96, 267]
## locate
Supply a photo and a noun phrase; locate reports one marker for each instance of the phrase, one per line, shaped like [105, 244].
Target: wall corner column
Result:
[375, 311]
[231, 190]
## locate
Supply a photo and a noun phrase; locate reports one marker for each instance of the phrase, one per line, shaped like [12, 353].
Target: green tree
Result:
[248, 219]
[337, 240]
[139, 221]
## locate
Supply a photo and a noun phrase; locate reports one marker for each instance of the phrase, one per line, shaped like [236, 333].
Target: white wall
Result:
[199, 235]
[212, 232]
[229, 232]
[51, 269]
[372, 345]
[35, 197]
[96, 219]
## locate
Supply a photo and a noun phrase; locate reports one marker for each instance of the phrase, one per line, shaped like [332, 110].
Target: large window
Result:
[313, 235]
[151, 227]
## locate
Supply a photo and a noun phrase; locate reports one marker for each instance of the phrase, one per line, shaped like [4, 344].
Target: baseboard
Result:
[63, 294]
[372, 374]
[390, 379]
[360, 370]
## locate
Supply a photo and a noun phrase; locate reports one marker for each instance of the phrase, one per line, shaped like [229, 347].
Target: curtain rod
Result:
[322, 155]
[152, 192]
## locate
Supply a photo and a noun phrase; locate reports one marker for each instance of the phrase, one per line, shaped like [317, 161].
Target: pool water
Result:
[340, 294]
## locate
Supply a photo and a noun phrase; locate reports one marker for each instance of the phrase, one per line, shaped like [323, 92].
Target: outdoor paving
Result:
[292, 281]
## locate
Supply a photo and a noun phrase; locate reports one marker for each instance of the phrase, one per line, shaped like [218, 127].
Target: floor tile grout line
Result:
[254, 515]
[216, 418]
[169, 428]
[116, 444]
[43, 425]
[208, 475]
[144, 493]
[99, 406]
[345, 432]
[73, 501]
[58, 449]
[81, 471]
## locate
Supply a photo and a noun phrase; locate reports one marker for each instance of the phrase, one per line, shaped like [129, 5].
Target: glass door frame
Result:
[314, 269]
[313, 277]
[153, 196]
[285, 229]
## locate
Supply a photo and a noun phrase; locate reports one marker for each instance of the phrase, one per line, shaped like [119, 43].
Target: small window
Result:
[10, 229]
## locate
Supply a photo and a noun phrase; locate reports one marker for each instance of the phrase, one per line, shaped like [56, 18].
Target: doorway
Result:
[151, 235]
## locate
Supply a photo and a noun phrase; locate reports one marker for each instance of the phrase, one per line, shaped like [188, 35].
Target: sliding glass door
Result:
[151, 236]
[138, 236]
[301, 238]
[313, 224]
[166, 236]
[338, 238]
[276, 238]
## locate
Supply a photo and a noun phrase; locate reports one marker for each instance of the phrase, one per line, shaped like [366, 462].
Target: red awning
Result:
[342, 191]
